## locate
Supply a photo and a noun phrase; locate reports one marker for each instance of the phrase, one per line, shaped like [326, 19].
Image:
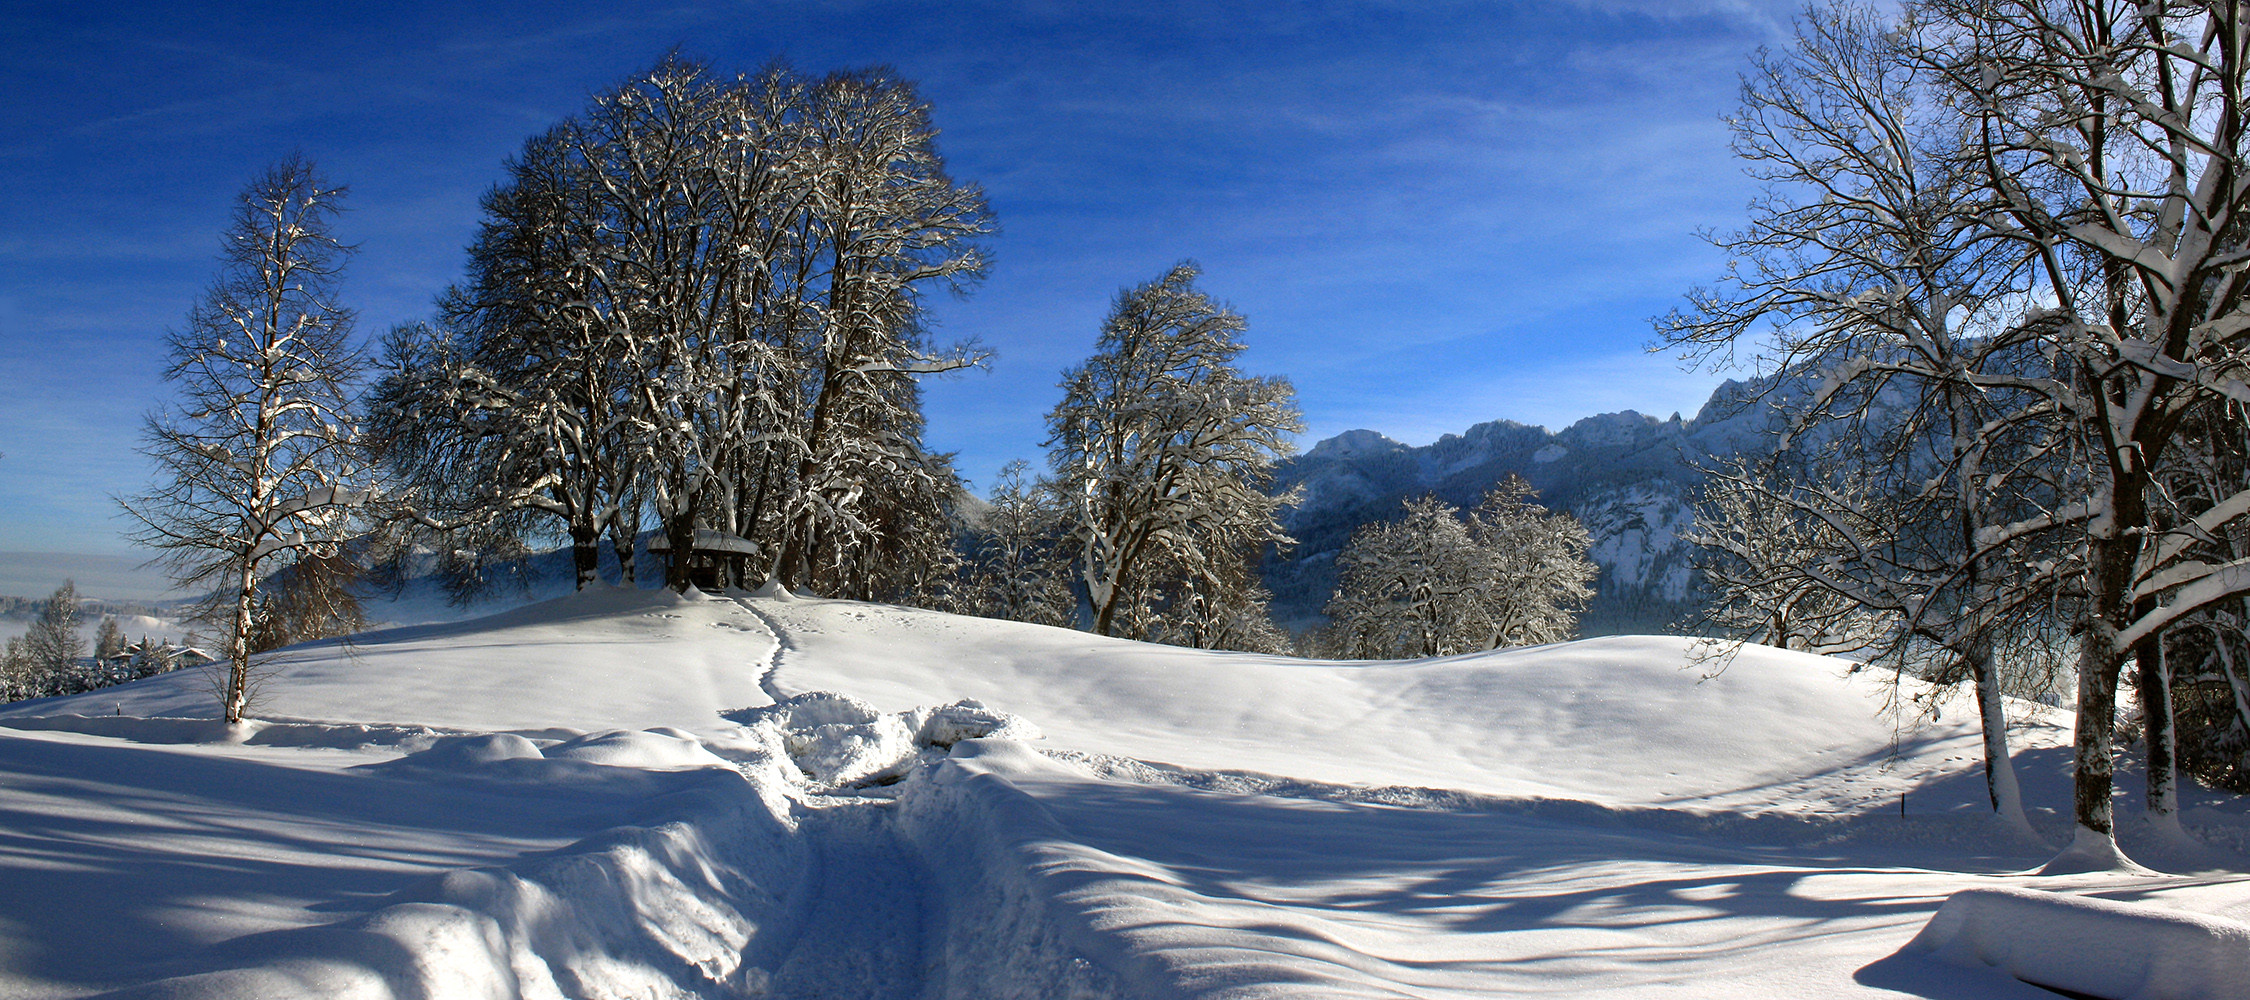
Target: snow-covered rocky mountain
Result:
[1629, 477]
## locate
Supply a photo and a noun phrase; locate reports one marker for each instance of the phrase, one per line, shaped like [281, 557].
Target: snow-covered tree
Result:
[1401, 586]
[109, 639]
[260, 462]
[1017, 567]
[1438, 582]
[888, 224]
[1163, 451]
[508, 412]
[700, 299]
[2032, 208]
[52, 645]
[1761, 549]
[17, 680]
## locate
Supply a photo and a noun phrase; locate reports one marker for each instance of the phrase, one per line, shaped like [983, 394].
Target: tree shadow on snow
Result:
[115, 857]
[1296, 888]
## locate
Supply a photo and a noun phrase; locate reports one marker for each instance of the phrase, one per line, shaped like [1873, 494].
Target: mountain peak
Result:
[1354, 444]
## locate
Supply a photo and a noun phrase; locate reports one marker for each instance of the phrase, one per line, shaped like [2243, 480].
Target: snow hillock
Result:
[2091, 946]
[1620, 721]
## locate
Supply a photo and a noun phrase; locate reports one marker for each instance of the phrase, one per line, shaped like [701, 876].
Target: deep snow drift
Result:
[636, 794]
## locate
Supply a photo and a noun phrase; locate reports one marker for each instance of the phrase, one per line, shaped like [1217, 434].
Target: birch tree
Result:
[259, 462]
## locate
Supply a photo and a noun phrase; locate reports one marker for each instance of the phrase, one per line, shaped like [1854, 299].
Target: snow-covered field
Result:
[634, 794]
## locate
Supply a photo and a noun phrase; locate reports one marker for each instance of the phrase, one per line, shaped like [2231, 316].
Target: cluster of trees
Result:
[698, 302]
[2007, 236]
[1159, 508]
[1509, 573]
[697, 306]
[50, 658]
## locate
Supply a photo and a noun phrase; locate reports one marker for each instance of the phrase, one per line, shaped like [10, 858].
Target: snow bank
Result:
[1008, 930]
[254, 732]
[663, 910]
[2097, 947]
[662, 748]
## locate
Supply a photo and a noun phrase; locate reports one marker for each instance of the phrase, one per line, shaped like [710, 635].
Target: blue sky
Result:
[1432, 213]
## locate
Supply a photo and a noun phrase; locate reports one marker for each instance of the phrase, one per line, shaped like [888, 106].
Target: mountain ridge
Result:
[1630, 477]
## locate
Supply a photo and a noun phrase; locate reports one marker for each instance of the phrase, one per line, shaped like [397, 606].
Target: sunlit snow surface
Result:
[592, 797]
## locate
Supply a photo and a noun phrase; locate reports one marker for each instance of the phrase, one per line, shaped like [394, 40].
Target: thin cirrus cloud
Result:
[1433, 214]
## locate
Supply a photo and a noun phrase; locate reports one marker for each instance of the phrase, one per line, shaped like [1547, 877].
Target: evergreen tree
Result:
[109, 640]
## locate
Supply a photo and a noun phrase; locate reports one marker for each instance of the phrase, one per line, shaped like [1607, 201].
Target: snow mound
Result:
[968, 719]
[2096, 947]
[2092, 852]
[837, 740]
[663, 748]
[460, 752]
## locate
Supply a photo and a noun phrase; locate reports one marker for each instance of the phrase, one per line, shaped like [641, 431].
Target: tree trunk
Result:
[2155, 691]
[585, 552]
[679, 530]
[236, 697]
[1105, 613]
[621, 538]
[1999, 767]
[2093, 770]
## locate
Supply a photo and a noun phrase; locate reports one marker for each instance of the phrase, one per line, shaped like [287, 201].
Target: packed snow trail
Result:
[855, 931]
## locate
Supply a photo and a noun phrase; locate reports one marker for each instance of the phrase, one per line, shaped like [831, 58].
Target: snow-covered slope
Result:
[1619, 720]
[599, 796]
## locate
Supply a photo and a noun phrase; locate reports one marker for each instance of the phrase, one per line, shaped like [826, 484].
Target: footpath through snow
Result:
[637, 794]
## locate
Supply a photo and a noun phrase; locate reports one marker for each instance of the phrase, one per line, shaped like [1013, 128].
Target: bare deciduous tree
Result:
[1163, 451]
[1438, 582]
[2028, 213]
[259, 463]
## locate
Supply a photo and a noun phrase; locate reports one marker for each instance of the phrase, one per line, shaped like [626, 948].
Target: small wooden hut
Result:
[716, 556]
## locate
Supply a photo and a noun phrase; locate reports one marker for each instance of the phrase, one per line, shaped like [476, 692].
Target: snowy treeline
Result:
[2020, 225]
[50, 658]
[696, 305]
